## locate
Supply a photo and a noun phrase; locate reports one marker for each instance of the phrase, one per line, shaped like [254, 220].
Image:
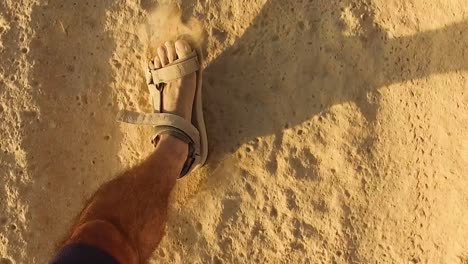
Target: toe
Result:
[171, 52]
[163, 56]
[151, 65]
[157, 62]
[183, 49]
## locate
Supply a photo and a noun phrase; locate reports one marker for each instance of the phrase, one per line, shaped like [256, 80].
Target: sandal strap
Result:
[161, 120]
[176, 70]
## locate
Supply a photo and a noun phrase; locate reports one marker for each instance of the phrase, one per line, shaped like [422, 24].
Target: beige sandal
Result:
[193, 133]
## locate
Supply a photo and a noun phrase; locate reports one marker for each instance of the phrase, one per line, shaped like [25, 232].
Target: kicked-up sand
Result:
[338, 129]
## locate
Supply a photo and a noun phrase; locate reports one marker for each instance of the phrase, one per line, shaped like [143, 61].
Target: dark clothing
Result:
[82, 254]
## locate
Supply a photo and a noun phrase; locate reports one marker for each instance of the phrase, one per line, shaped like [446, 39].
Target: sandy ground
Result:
[338, 129]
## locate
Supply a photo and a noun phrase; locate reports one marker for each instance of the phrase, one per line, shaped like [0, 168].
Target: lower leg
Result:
[126, 216]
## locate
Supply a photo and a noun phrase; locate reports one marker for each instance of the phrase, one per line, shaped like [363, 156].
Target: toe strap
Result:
[176, 70]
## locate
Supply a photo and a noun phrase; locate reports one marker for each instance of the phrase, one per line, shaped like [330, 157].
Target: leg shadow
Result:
[288, 68]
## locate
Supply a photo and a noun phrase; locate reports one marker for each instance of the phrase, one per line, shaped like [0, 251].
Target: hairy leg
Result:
[126, 216]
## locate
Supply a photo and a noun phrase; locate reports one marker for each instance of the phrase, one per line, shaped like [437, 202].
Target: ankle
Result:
[172, 148]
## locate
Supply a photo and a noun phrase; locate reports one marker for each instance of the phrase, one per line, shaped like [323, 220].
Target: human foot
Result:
[178, 95]
[175, 81]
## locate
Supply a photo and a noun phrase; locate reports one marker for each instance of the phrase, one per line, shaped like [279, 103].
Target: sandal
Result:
[193, 133]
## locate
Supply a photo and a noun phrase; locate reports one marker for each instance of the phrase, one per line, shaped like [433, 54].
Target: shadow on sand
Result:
[287, 68]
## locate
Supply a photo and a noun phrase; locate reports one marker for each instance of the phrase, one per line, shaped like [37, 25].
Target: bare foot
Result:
[178, 95]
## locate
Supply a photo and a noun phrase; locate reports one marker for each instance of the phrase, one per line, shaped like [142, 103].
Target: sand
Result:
[338, 129]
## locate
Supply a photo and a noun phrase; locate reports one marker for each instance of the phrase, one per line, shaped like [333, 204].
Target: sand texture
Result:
[338, 129]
